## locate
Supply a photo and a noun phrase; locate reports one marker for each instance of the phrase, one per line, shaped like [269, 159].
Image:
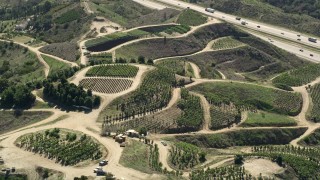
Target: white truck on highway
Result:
[243, 22]
[210, 10]
[313, 40]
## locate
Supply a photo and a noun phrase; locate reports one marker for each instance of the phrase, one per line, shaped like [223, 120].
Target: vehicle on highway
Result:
[301, 50]
[298, 35]
[210, 10]
[163, 143]
[282, 33]
[238, 18]
[243, 22]
[312, 39]
[258, 26]
[311, 55]
[299, 39]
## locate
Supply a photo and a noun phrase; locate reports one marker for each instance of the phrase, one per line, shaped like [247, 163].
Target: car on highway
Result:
[299, 39]
[238, 18]
[298, 35]
[301, 50]
[258, 27]
[282, 33]
[311, 55]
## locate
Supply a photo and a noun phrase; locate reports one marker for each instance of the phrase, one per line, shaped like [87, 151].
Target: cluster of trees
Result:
[228, 172]
[185, 156]
[192, 116]
[140, 60]
[53, 146]
[309, 7]
[17, 96]
[25, 8]
[66, 94]
[63, 74]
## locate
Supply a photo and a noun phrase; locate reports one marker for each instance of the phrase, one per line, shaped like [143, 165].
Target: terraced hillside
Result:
[247, 96]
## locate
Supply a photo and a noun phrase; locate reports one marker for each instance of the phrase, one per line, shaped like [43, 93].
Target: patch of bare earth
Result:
[262, 166]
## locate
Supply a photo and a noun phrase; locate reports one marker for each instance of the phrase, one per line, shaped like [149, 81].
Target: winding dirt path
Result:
[301, 118]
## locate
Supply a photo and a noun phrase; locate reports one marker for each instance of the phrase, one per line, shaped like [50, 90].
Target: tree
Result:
[202, 157]
[279, 160]
[141, 60]
[238, 159]
[143, 130]
[4, 84]
[150, 61]
[88, 102]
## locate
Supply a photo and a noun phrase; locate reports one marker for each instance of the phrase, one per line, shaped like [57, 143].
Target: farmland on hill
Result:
[106, 85]
[185, 116]
[153, 94]
[167, 47]
[248, 96]
[126, 71]
[255, 59]
[66, 50]
[110, 41]
[297, 15]
[18, 64]
[299, 76]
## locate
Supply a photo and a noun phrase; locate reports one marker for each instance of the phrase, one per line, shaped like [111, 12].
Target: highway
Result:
[296, 47]
[265, 28]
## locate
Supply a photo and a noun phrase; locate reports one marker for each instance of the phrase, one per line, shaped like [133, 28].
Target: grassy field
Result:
[55, 65]
[11, 120]
[181, 68]
[311, 140]
[299, 76]
[19, 65]
[264, 12]
[226, 43]
[66, 50]
[254, 137]
[245, 96]
[191, 18]
[130, 14]
[109, 41]
[136, 155]
[267, 119]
